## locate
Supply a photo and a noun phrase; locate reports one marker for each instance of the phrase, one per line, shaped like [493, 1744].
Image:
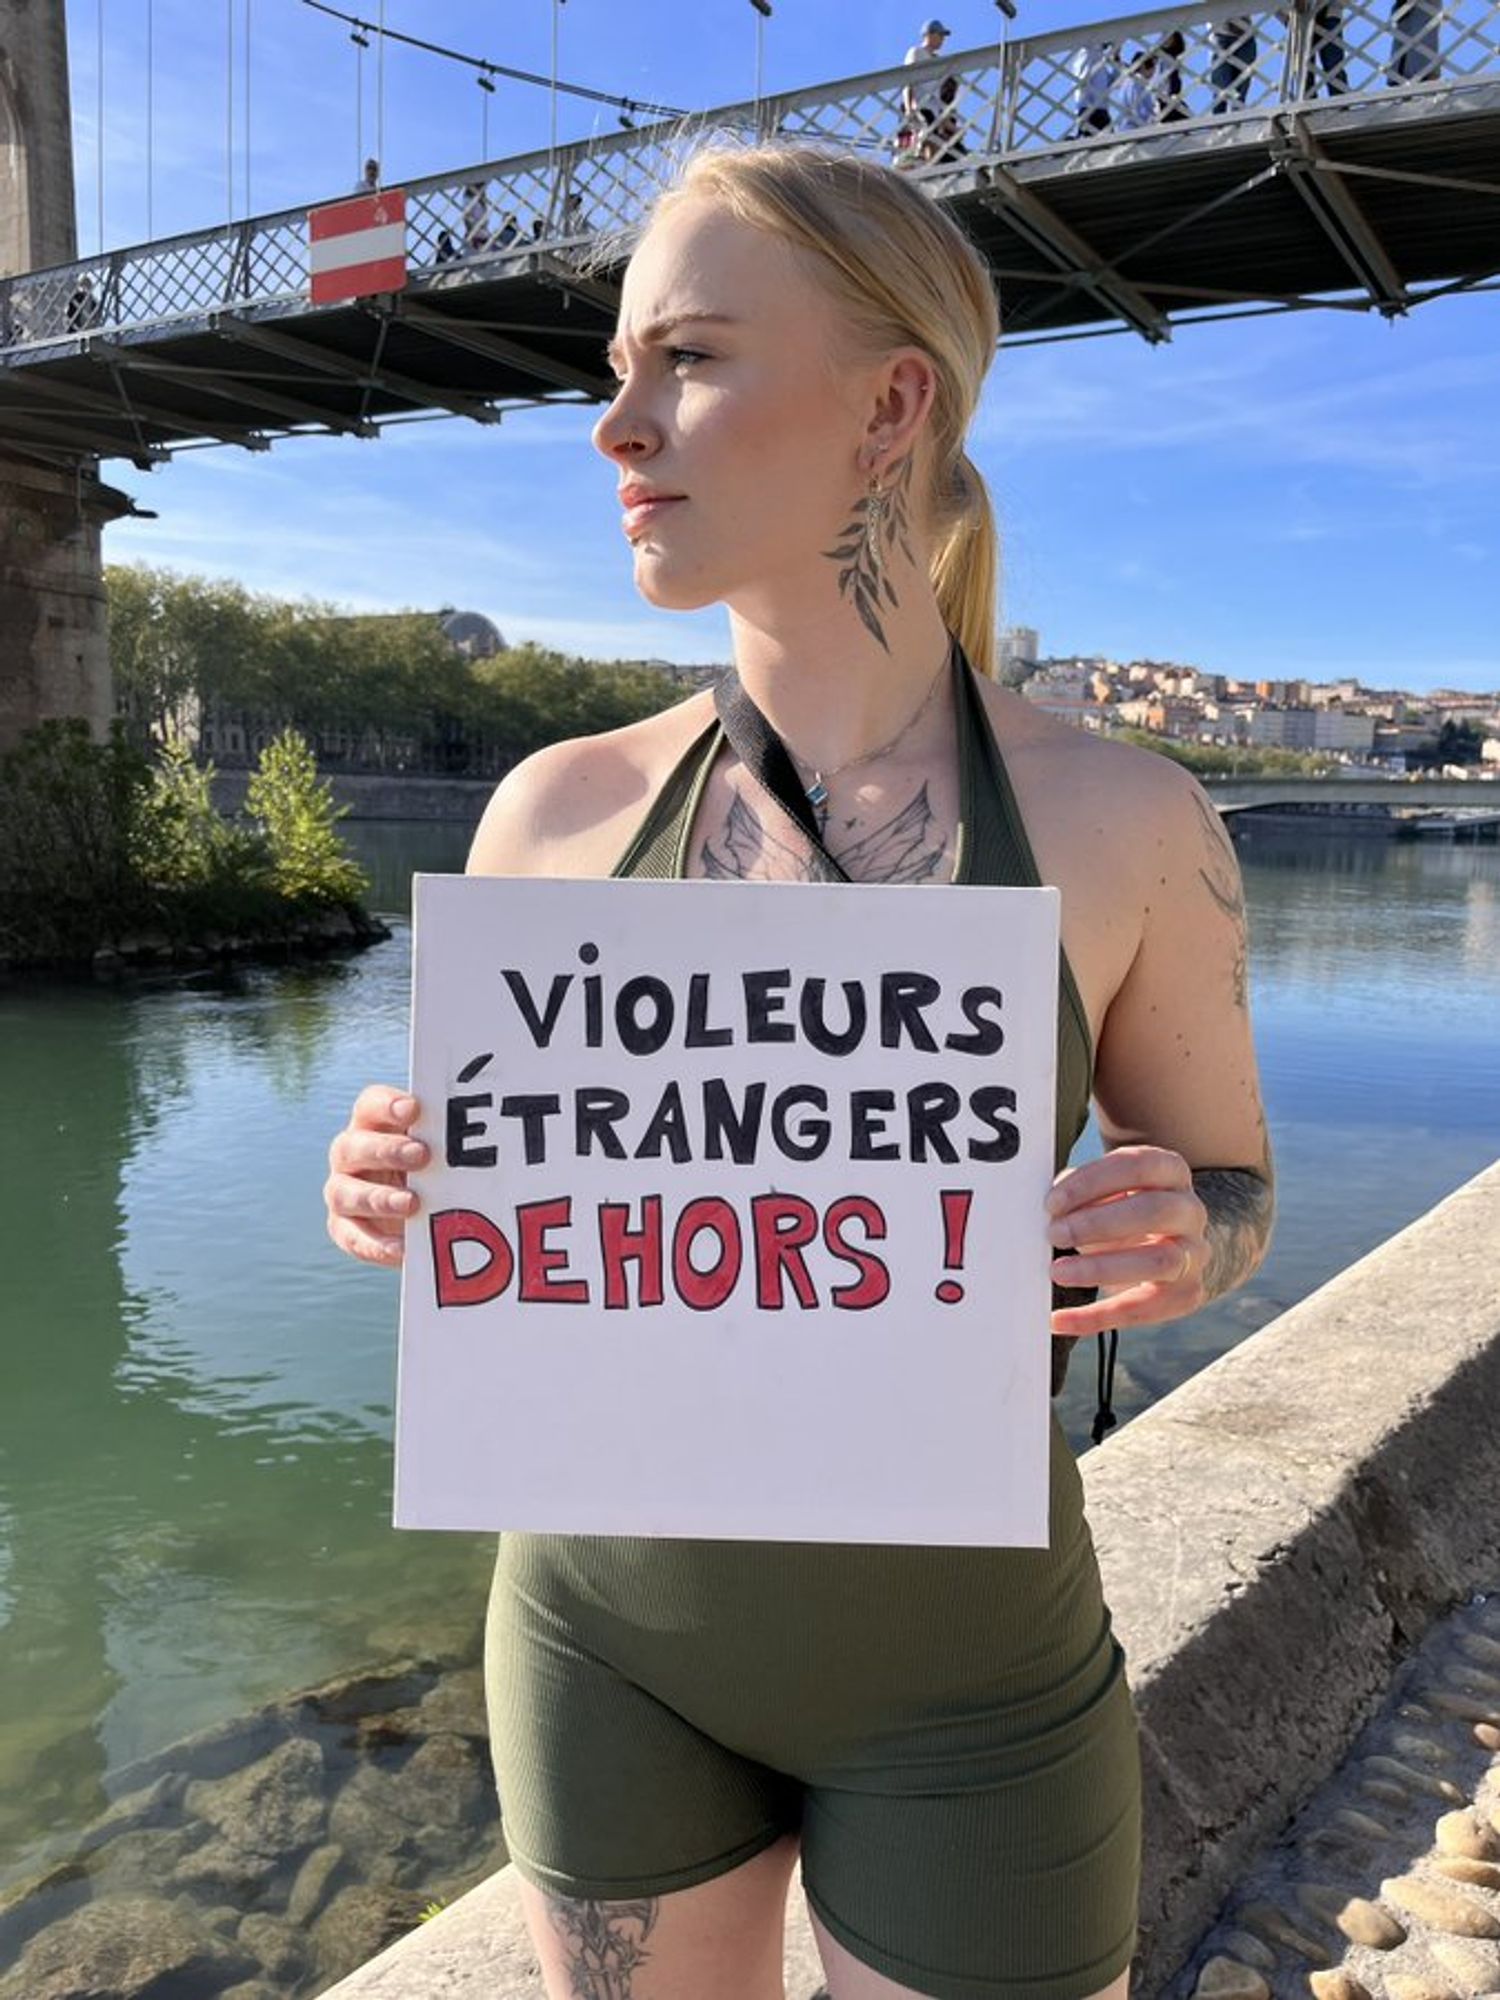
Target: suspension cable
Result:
[488, 68]
[150, 122]
[360, 45]
[99, 129]
[380, 96]
[229, 101]
[249, 205]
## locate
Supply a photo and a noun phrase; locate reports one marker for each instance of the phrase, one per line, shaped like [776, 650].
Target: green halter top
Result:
[992, 849]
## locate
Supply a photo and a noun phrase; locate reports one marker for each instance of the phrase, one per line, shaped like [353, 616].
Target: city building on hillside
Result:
[1307, 728]
[1017, 647]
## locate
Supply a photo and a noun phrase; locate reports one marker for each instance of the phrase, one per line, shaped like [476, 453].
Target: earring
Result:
[875, 506]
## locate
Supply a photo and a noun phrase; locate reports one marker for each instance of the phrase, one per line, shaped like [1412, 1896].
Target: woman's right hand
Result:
[368, 1201]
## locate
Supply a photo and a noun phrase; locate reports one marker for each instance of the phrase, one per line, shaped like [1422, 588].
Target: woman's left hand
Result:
[1131, 1224]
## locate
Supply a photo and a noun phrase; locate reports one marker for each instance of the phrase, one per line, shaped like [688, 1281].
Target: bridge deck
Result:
[1241, 193]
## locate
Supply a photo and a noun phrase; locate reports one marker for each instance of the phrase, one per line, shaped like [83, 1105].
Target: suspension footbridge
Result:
[1135, 174]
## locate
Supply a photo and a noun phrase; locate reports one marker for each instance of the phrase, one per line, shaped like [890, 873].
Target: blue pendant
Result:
[817, 792]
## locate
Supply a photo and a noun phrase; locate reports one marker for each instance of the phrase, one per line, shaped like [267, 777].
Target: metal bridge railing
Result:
[1177, 69]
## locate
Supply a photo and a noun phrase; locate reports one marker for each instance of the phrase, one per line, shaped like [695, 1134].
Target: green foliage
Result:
[181, 840]
[298, 819]
[187, 648]
[68, 810]
[1222, 760]
[1455, 743]
[98, 842]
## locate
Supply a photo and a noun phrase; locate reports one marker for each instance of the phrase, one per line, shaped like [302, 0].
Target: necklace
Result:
[817, 791]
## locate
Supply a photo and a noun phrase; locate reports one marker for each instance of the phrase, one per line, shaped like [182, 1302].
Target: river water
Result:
[197, 1391]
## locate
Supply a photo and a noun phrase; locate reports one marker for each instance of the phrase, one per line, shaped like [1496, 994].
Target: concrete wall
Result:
[1275, 1536]
[459, 801]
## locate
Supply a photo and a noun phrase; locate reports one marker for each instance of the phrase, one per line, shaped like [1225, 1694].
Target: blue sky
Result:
[1312, 494]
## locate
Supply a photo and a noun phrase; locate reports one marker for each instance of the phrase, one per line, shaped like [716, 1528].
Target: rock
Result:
[1465, 1706]
[360, 1921]
[1227, 1979]
[273, 1806]
[1249, 1950]
[1473, 1968]
[1436, 1904]
[142, 1860]
[1321, 1900]
[456, 1705]
[1470, 1679]
[107, 960]
[1480, 1874]
[280, 1952]
[1386, 1790]
[1416, 1986]
[1277, 1928]
[443, 1784]
[1462, 1833]
[1476, 1646]
[1336, 1984]
[314, 1879]
[1414, 1711]
[1364, 1922]
[122, 1945]
[1487, 1734]
[1427, 1748]
[221, 1868]
[1361, 1823]
[252, 1989]
[1411, 1778]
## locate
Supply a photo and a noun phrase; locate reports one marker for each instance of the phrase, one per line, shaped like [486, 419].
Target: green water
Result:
[197, 1391]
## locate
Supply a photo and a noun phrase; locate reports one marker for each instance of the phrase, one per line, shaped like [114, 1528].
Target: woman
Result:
[945, 1733]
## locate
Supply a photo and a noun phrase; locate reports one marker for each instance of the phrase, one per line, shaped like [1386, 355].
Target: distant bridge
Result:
[1341, 156]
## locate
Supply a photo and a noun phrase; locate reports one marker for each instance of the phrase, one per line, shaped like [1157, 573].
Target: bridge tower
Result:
[54, 651]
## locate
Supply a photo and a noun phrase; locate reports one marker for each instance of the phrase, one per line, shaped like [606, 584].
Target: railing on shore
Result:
[1174, 71]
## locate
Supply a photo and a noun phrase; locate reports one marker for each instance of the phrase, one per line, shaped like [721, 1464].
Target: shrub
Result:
[298, 820]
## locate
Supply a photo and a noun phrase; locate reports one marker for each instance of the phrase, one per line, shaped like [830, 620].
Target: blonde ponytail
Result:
[965, 568]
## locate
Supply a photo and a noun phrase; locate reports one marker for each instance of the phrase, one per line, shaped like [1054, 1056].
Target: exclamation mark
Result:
[956, 1205]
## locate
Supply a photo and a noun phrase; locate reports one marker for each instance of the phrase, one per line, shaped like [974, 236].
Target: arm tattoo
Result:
[1241, 1203]
[1222, 880]
[905, 848]
[604, 1943]
[865, 547]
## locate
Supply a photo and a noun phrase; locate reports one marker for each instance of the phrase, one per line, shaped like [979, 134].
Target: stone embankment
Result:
[370, 796]
[1387, 1885]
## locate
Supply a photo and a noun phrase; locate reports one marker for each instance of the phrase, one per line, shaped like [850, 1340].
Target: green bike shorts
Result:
[948, 1731]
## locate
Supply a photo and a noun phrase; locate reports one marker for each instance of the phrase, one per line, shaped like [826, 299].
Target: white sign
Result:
[735, 1225]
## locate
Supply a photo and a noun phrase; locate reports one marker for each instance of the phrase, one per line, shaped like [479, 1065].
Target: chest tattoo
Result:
[908, 847]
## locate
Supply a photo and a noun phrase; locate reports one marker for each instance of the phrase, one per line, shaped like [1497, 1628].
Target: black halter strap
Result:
[765, 757]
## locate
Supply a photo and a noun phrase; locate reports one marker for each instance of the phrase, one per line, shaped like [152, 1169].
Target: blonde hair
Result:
[901, 273]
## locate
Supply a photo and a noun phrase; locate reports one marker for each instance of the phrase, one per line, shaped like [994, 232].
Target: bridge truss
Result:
[1342, 156]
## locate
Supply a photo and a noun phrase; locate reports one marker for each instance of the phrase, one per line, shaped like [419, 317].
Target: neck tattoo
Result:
[817, 791]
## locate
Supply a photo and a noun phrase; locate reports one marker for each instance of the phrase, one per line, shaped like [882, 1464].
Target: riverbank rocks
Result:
[1227, 1979]
[269, 1856]
[1462, 1833]
[1446, 1909]
[1397, 1901]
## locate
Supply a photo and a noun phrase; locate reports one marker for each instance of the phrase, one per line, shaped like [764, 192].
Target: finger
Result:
[384, 1107]
[356, 1150]
[1167, 1262]
[356, 1239]
[352, 1195]
[1129, 1219]
[1138, 1305]
[1118, 1172]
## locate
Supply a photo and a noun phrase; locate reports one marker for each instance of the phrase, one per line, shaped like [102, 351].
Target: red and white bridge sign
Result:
[358, 247]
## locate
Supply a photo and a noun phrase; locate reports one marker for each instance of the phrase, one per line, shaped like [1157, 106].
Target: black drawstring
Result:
[1105, 1419]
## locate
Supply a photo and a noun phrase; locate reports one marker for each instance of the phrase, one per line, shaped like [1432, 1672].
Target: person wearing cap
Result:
[925, 102]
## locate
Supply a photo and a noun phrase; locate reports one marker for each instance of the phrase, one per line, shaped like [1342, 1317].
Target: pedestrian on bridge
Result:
[924, 102]
[944, 1734]
[1415, 54]
[1235, 55]
[1095, 69]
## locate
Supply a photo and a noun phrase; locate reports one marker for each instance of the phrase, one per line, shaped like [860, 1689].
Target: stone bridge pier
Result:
[54, 646]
